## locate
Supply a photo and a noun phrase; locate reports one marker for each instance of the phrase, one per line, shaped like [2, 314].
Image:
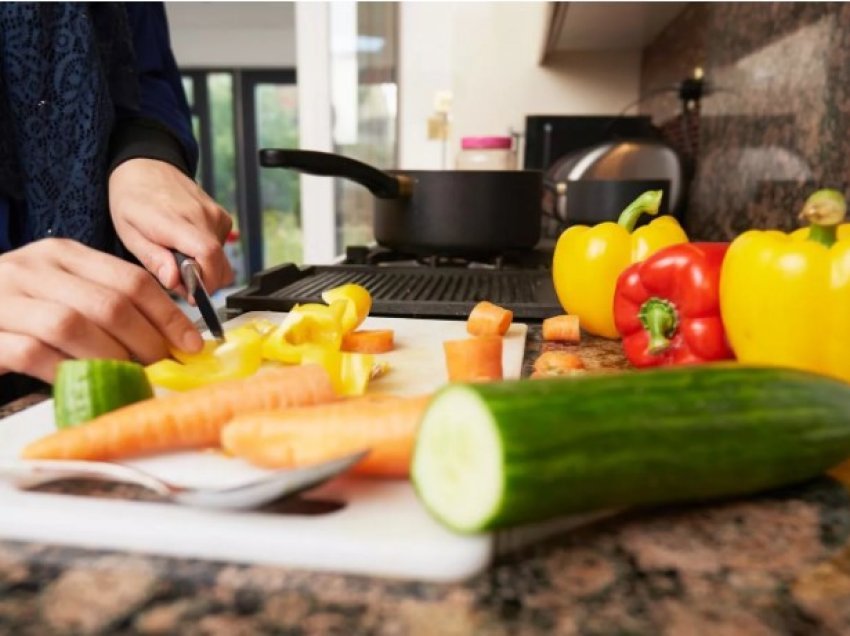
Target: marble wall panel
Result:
[776, 124]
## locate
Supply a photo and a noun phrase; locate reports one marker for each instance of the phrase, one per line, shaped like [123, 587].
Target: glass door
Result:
[269, 100]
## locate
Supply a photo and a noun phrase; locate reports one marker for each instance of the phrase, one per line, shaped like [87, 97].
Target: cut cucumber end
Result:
[457, 466]
[86, 389]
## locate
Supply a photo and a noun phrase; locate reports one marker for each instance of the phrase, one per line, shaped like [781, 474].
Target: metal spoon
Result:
[281, 483]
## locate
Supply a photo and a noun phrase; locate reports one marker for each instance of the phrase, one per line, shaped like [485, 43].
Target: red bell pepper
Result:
[667, 308]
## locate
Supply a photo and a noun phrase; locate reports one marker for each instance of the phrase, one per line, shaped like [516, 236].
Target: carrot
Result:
[386, 424]
[487, 319]
[554, 363]
[368, 341]
[192, 419]
[474, 359]
[564, 328]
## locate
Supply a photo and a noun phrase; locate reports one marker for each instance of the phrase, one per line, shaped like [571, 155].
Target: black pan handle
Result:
[325, 164]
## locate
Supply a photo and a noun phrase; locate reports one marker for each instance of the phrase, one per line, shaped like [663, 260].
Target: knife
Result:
[190, 273]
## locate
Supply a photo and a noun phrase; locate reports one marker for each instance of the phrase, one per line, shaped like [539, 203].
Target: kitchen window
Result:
[364, 105]
[235, 112]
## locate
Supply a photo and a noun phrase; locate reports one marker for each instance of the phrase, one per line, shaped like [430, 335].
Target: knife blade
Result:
[190, 274]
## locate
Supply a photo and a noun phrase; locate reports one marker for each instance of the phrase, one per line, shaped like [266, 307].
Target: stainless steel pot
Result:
[624, 162]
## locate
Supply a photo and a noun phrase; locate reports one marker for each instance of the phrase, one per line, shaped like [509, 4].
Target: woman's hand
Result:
[154, 207]
[61, 299]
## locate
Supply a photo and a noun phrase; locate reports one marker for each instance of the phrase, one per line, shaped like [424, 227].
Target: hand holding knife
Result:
[190, 274]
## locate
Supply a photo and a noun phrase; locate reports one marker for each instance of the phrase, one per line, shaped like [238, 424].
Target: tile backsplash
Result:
[776, 124]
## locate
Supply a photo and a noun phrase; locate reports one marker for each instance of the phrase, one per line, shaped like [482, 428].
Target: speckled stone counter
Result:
[774, 564]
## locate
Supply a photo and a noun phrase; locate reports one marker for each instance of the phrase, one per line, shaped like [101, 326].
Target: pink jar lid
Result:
[485, 142]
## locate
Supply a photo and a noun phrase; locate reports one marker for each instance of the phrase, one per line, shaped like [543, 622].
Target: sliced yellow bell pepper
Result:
[310, 333]
[785, 298]
[588, 260]
[358, 303]
[239, 356]
[349, 372]
[310, 324]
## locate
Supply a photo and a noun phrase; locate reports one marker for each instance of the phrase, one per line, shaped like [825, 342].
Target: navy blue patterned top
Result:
[78, 81]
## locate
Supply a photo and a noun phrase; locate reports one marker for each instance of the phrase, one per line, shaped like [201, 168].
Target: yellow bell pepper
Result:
[349, 372]
[312, 334]
[239, 356]
[358, 303]
[588, 261]
[785, 298]
[305, 325]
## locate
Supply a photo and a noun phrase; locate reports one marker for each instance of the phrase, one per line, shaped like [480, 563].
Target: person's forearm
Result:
[161, 96]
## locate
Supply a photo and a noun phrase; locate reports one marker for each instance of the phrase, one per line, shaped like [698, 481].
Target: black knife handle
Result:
[180, 257]
[182, 261]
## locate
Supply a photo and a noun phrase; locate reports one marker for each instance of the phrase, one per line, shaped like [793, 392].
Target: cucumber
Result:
[494, 455]
[85, 389]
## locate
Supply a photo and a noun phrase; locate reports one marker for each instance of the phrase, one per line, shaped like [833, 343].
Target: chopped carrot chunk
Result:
[554, 363]
[487, 319]
[474, 359]
[368, 341]
[564, 328]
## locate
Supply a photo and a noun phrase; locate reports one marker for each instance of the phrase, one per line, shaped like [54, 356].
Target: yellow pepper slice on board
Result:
[349, 372]
[588, 260]
[358, 303]
[309, 324]
[239, 356]
[785, 298]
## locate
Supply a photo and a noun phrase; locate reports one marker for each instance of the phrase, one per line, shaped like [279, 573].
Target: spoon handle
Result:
[29, 473]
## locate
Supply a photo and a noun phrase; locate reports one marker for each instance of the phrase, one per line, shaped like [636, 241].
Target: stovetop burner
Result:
[538, 258]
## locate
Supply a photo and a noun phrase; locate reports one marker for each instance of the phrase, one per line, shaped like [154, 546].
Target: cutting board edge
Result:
[468, 556]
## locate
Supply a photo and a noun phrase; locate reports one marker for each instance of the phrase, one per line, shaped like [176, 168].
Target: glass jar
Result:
[486, 153]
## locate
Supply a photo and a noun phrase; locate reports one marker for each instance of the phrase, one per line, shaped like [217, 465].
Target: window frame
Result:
[249, 79]
[199, 107]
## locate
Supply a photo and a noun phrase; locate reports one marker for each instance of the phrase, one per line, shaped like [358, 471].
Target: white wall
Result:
[232, 34]
[486, 54]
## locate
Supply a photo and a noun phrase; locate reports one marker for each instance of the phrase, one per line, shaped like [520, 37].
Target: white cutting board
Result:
[383, 530]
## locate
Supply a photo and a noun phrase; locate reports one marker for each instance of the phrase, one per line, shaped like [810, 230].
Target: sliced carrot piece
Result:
[191, 419]
[554, 363]
[564, 328]
[487, 319]
[368, 341]
[386, 424]
[474, 359]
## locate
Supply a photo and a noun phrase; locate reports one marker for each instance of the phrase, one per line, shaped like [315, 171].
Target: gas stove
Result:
[414, 285]
[538, 258]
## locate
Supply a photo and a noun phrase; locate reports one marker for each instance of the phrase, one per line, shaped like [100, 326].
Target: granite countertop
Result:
[774, 564]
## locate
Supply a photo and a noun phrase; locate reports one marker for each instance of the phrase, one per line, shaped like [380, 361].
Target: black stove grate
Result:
[419, 292]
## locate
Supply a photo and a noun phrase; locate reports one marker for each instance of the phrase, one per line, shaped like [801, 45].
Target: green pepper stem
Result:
[825, 211]
[649, 202]
[660, 319]
[823, 234]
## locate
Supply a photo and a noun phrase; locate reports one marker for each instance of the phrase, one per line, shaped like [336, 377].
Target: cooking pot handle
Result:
[325, 164]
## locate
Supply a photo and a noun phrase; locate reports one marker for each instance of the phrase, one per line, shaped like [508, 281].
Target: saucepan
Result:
[451, 212]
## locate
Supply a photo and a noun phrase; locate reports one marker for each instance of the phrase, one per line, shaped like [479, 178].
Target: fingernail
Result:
[192, 341]
[162, 273]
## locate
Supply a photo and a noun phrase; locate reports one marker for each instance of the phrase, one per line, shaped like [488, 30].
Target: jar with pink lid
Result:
[486, 153]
